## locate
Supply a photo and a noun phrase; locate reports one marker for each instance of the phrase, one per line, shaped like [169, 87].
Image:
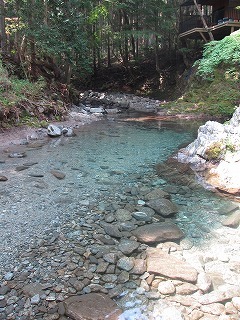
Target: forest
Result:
[113, 45]
[64, 40]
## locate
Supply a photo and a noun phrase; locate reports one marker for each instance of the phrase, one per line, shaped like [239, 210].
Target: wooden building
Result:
[209, 19]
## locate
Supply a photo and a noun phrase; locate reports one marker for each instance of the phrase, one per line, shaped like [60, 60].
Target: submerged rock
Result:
[163, 206]
[3, 178]
[158, 232]
[91, 306]
[58, 174]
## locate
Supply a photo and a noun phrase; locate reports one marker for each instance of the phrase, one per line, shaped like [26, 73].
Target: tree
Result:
[3, 27]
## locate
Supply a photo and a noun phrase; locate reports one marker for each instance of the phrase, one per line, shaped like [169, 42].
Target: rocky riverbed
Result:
[132, 251]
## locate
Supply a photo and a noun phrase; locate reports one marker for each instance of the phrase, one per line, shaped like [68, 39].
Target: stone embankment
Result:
[215, 155]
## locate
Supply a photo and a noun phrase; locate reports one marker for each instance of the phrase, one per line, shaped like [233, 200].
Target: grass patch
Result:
[216, 97]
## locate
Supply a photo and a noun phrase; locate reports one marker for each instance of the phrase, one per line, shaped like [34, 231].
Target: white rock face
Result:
[221, 143]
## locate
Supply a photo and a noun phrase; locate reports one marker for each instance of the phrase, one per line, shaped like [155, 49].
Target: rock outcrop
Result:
[215, 155]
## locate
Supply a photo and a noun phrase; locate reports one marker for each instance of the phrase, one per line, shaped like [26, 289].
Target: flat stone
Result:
[163, 206]
[228, 208]
[186, 301]
[224, 293]
[21, 168]
[156, 194]
[33, 289]
[110, 257]
[58, 174]
[123, 215]
[123, 277]
[111, 229]
[35, 299]
[236, 302]
[161, 263]
[17, 155]
[128, 246]
[214, 308]
[233, 220]
[94, 306]
[158, 232]
[8, 276]
[204, 282]
[186, 289]
[125, 263]
[140, 266]
[142, 216]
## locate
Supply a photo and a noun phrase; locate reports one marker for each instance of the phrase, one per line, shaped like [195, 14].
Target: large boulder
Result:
[94, 306]
[158, 232]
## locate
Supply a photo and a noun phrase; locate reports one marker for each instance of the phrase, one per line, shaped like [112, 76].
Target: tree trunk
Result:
[2, 28]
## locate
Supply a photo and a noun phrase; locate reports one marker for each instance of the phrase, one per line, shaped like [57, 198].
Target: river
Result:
[109, 165]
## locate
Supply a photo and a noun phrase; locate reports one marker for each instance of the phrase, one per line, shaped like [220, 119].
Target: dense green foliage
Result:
[214, 85]
[62, 40]
[215, 53]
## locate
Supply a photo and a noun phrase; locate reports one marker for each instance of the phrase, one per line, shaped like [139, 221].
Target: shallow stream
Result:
[106, 161]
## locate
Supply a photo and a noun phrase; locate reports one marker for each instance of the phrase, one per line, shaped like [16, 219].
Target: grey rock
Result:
[68, 132]
[110, 257]
[111, 230]
[142, 216]
[17, 155]
[123, 215]
[140, 266]
[163, 206]
[54, 131]
[123, 277]
[35, 299]
[158, 232]
[8, 276]
[58, 174]
[125, 263]
[128, 246]
[156, 194]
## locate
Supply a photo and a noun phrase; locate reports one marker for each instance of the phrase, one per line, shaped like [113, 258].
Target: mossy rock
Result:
[215, 151]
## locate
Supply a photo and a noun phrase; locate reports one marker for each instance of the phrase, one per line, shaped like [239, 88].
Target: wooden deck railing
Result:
[189, 22]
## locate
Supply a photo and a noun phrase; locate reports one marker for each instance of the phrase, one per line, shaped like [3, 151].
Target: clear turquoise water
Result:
[103, 160]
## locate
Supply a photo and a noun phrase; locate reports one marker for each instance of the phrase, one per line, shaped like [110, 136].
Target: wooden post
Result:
[203, 21]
